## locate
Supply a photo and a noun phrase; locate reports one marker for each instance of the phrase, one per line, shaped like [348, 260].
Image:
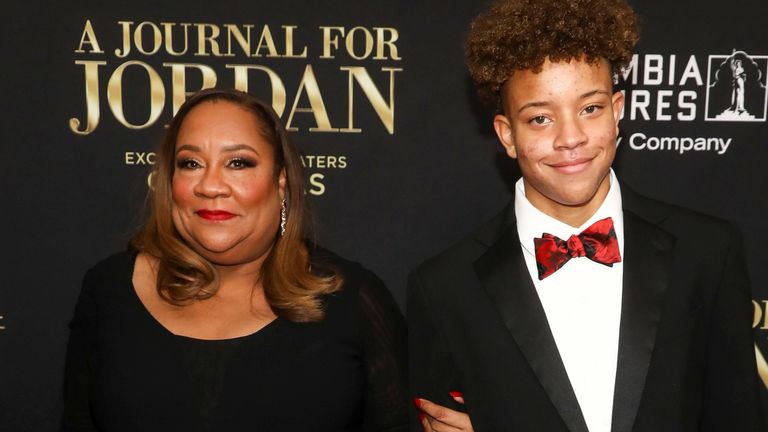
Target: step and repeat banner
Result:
[401, 160]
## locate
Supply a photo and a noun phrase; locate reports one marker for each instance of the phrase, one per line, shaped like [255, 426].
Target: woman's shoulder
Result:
[105, 285]
[360, 286]
[112, 272]
[114, 263]
[354, 275]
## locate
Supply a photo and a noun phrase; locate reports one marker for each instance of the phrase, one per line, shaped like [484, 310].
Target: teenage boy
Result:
[582, 306]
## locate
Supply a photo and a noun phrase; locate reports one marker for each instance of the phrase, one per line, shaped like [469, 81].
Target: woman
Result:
[221, 317]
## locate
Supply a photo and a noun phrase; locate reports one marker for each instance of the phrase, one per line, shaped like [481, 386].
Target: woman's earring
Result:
[282, 217]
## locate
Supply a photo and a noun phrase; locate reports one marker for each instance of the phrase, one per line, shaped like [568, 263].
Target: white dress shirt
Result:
[582, 301]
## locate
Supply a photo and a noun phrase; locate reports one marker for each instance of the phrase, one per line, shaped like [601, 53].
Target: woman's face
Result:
[226, 194]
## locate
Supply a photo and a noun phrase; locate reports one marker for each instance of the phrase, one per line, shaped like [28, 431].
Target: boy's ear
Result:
[504, 131]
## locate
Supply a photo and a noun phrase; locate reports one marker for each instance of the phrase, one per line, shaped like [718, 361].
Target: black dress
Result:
[126, 372]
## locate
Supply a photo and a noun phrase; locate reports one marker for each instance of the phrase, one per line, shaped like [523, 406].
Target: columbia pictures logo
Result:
[736, 87]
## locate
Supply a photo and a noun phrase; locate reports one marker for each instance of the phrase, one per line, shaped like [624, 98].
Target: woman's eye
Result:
[187, 164]
[240, 163]
[539, 120]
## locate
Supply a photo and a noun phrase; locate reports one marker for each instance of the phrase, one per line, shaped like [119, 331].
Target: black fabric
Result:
[686, 360]
[125, 372]
[206, 364]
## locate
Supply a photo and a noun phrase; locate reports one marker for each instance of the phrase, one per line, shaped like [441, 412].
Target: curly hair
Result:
[521, 34]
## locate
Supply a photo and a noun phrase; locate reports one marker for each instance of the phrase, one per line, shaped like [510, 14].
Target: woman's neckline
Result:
[156, 323]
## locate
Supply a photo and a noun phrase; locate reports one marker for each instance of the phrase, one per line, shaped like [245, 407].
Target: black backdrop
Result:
[422, 169]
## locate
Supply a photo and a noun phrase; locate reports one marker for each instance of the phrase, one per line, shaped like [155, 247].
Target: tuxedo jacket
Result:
[686, 359]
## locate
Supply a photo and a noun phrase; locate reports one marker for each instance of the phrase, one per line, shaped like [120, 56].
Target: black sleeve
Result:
[732, 398]
[77, 415]
[432, 371]
[384, 343]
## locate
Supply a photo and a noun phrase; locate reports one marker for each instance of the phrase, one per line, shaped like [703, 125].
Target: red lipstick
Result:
[215, 215]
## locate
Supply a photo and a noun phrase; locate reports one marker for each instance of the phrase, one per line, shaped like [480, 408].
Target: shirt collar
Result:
[532, 222]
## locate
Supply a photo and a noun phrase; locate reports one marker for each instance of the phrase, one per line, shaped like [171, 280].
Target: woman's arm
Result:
[384, 336]
[77, 413]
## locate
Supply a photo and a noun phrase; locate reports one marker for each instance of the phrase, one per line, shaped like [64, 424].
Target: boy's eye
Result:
[591, 109]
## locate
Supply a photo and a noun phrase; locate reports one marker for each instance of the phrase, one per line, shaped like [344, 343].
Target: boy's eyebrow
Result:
[583, 96]
[594, 92]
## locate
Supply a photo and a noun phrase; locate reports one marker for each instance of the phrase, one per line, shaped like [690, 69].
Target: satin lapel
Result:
[647, 257]
[504, 275]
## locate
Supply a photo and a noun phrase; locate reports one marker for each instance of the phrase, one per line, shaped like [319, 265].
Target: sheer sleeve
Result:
[433, 374]
[76, 415]
[384, 342]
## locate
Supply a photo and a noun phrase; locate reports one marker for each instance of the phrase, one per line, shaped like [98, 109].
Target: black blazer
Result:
[686, 360]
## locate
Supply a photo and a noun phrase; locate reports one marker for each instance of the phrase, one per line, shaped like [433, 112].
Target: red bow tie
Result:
[598, 243]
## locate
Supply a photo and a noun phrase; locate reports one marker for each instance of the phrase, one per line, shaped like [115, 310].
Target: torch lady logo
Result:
[736, 87]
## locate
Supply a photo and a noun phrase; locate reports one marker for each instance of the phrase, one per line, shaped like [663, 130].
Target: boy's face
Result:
[561, 126]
